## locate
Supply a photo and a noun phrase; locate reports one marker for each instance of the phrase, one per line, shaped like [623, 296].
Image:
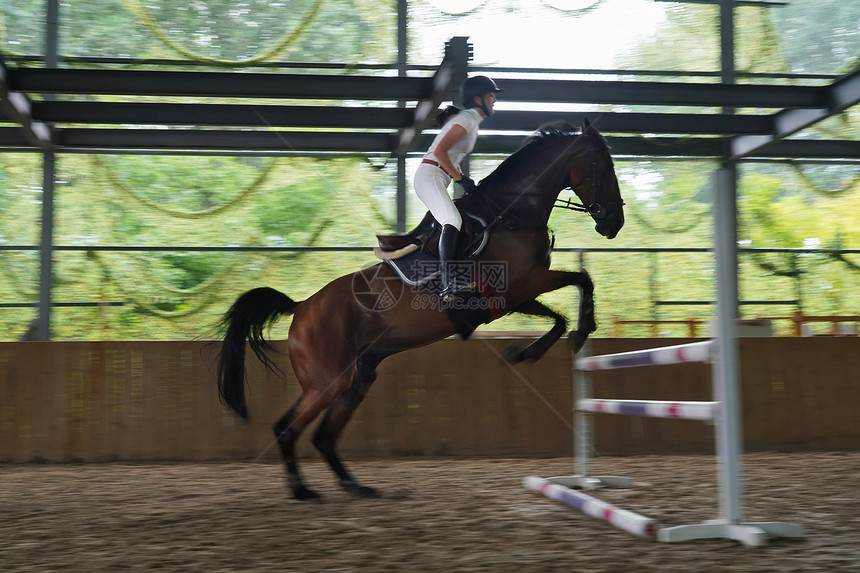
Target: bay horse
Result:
[335, 342]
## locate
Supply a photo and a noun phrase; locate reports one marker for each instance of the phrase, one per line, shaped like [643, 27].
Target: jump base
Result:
[750, 534]
[591, 482]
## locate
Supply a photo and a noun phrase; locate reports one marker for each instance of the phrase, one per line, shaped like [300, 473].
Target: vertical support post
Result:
[46, 251]
[726, 372]
[654, 285]
[798, 285]
[52, 35]
[401, 195]
[402, 34]
[727, 41]
[402, 64]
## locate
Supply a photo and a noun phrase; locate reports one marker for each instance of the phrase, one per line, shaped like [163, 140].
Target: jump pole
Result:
[629, 521]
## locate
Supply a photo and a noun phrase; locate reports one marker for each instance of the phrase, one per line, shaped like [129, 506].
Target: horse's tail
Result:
[248, 319]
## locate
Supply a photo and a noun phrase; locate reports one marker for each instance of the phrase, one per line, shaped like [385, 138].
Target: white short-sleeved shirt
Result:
[470, 119]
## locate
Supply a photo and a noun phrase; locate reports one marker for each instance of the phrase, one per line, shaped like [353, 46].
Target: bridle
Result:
[596, 210]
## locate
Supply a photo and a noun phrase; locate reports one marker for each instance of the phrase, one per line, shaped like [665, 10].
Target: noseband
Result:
[596, 210]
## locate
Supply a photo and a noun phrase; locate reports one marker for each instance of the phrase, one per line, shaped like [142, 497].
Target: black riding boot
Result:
[447, 251]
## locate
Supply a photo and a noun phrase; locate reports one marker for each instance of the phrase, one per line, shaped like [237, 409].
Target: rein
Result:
[596, 210]
[571, 205]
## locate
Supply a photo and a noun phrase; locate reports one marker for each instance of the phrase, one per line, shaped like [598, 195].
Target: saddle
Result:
[473, 237]
[414, 256]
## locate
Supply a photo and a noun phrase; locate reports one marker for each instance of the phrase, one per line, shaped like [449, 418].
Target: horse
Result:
[336, 340]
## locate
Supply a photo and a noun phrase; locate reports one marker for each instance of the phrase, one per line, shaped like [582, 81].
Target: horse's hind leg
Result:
[287, 431]
[335, 420]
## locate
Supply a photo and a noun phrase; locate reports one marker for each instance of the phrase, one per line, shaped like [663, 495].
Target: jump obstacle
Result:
[559, 488]
[724, 411]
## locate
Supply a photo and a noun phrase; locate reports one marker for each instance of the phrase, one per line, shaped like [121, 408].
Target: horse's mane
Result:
[559, 128]
[550, 131]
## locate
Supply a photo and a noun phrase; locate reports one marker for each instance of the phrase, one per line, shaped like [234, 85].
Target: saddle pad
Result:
[421, 269]
[418, 269]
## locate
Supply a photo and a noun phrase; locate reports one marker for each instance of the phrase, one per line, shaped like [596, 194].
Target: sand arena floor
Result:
[435, 515]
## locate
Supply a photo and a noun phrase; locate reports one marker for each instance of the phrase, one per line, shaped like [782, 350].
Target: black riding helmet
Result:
[477, 86]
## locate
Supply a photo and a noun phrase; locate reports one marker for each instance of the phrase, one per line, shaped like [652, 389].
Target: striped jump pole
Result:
[651, 408]
[678, 354]
[629, 521]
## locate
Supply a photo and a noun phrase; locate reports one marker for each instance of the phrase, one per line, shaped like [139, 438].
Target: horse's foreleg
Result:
[586, 323]
[553, 280]
[335, 420]
[538, 348]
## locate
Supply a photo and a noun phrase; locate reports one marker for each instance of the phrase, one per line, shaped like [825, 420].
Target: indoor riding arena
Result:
[119, 455]
[160, 162]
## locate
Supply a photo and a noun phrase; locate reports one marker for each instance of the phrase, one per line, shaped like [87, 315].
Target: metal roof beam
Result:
[718, 124]
[237, 140]
[705, 147]
[221, 114]
[663, 93]
[217, 84]
[332, 87]
[632, 146]
[839, 96]
[379, 118]
[202, 141]
[760, 3]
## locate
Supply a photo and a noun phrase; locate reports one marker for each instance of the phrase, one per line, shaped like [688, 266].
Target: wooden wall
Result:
[96, 401]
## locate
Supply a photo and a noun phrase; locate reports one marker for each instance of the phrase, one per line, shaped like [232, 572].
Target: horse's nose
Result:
[604, 230]
[611, 224]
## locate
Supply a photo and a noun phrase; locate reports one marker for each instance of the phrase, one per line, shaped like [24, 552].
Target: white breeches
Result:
[431, 186]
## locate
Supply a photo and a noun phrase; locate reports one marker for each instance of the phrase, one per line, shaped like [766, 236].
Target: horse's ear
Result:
[586, 125]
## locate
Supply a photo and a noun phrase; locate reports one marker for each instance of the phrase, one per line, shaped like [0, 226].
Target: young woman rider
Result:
[441, 163]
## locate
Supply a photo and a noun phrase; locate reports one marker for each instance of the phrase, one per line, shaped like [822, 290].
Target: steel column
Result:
[46, 250]
[726, 372]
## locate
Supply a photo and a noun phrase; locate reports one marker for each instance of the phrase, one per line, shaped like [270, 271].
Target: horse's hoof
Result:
[361, 491]
[513, 354]
[575, 341]
[307, 495]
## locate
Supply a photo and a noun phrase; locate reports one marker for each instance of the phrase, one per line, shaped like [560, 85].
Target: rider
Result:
[441, 163]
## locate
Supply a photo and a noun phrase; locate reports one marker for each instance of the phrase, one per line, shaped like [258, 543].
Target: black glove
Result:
[468, 184]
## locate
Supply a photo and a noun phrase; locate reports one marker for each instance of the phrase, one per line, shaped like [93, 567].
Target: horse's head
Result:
[556, 156]
[594, 182]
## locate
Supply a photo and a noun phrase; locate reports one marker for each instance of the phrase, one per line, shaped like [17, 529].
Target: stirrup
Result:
[453, 290]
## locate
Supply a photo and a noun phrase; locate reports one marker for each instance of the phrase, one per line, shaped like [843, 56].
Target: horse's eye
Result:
[596, 211]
